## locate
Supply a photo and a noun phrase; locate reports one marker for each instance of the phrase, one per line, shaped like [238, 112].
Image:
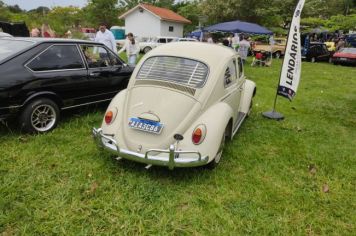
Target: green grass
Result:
[59, 183]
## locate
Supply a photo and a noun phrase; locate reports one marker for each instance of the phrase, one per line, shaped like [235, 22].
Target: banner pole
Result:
[291, 65]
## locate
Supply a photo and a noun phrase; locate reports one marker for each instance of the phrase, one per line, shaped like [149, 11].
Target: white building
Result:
[146, 20]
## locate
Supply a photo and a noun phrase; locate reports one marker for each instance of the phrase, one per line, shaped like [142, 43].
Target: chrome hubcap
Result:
[43, 118]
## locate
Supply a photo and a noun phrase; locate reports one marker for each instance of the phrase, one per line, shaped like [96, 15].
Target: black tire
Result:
[250, 109]
[147, 49]
[40, 116]
[215, 162]
[277, 54]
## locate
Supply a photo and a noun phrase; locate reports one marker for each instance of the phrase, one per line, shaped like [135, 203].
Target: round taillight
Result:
[108, 117]
[198, 134]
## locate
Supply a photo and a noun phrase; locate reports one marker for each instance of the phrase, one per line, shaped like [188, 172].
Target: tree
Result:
[191, 11]
[63, 18]
[102, 11]
[15, 9]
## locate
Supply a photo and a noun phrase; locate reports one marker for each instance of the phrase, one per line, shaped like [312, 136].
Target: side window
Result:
[162, 40]
[241, 67]
[230, 74]
[57, 57]
[169, 40]
[114, 60]
[96, 56]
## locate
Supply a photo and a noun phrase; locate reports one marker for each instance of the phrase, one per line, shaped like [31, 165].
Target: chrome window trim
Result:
[84, 104]
[171, 81]
[46, 71]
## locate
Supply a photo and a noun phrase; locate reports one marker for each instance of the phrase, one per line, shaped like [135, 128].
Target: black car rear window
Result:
[57, 57]
[9, 47]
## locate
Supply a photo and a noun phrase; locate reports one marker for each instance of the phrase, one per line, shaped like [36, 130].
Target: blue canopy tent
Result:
[238, 27]
[195, 34]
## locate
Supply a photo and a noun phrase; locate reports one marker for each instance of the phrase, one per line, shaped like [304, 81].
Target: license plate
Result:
[146, 125]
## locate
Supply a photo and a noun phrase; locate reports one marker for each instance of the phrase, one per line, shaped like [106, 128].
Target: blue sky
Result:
[31, 4]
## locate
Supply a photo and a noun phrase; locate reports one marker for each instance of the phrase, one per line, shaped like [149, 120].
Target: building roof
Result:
[162, 13]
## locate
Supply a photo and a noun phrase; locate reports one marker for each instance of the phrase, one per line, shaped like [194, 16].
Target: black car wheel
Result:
[277, 55]
[40, 116]
[147, 49]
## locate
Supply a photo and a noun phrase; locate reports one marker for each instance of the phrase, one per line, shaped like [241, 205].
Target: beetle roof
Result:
[210, 54]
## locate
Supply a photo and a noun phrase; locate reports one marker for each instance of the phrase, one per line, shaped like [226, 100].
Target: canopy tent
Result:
[238, 27]
[195, 34]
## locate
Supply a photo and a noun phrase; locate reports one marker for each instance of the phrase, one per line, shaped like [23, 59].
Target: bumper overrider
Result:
[170, 157]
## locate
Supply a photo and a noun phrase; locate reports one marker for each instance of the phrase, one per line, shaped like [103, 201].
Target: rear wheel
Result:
[40, 116]
[214, 163]
[277, 55]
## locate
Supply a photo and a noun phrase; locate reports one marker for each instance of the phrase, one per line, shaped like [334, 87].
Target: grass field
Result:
[297, 176]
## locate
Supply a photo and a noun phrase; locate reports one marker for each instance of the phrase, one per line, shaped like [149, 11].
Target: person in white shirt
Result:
[132, 49]
[106, 37]
[244, 46]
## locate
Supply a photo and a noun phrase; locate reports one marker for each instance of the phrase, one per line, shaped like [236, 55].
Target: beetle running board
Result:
[240, 118]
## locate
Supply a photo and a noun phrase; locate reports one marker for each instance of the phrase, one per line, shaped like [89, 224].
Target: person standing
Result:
[210, 39]
[132, 49]
[46, 31]
[35, 32]
[106, 37]
[244, 46]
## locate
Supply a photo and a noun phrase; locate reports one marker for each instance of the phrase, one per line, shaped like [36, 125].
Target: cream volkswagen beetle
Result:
[182, 102]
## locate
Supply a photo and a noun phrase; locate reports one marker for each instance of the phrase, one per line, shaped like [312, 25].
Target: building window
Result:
[171, 29]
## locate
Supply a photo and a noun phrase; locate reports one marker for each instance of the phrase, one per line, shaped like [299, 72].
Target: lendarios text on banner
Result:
[291, 69]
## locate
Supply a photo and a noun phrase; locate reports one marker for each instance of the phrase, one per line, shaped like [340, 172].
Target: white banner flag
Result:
[292, 64]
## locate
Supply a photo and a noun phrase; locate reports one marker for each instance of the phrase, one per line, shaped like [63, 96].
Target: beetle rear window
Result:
[174, 69]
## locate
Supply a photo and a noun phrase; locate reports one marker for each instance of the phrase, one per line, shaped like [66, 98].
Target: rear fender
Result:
[247, 95]
[216, 119]
[117, 104]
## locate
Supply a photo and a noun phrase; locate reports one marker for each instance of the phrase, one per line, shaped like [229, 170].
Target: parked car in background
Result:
[186, 40]
[278, 49]
[41, 76]
[317, 52]
[89, 33]
[147, 46]
[182, 102]
[17, 29]
[351, 40]
[346, 56]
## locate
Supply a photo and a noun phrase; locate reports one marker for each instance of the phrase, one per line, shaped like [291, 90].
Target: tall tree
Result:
[102, 11]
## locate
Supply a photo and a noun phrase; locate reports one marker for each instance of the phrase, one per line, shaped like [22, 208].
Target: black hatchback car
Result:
[317, 52]
[40, 77]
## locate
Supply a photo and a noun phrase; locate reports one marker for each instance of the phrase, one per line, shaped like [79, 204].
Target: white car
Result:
[152, 43]
[183, 100]
[187, 40]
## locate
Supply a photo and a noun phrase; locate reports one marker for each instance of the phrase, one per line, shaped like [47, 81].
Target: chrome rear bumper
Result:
[170, 157]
